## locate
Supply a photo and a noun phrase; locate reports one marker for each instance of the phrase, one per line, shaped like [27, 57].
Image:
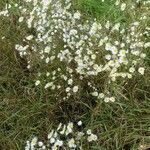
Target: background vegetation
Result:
[26, 110]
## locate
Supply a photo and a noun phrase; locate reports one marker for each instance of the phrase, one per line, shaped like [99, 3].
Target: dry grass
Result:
[26, 110]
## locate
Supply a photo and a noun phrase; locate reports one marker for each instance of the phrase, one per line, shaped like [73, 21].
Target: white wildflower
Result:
[21, 19]
[40, 144]
[30, 37]
[71, 143]
[95, 93]
[50, 134]
[112, 99]
[59, 143]
[92, 137]
[123, 6]
[131, 69]
[77, 15]
[48, 85]
[75, 89]
[106, 99]
[37, 82]
[101, 95]
[52, 140]
[89, 132]
[34, 141]
[70, 81]
[79, 123]
[141, 70]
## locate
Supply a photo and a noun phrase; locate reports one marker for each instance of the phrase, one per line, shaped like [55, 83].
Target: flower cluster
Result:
[75, 50]
[132, 5]
[64, 136]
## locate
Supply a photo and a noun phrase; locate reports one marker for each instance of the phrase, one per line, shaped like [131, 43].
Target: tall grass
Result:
[27, 110]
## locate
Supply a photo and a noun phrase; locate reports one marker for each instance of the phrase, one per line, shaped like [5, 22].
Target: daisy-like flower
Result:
[21, 19]
[123, 6]
[106, 99]
[75, 89]
[112, 99]
[117, 2]
[89, 132]
[34, 141]
[101, 95]
[131, 69]
[77, 15]
[141, 70]
[48, 85]
[50, 134]
[37, 82]
[30, 37]
[92, 137]
[40, 144]
[95, 93]
[71, 143]
[69, 128]
[70, 81]
[79, 123]
[52, 140]
[59, 143]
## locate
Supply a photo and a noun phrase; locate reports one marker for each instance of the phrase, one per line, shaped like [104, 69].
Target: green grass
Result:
[26, 110]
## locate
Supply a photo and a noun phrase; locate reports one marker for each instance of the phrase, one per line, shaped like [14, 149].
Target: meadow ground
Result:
[26, 110]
